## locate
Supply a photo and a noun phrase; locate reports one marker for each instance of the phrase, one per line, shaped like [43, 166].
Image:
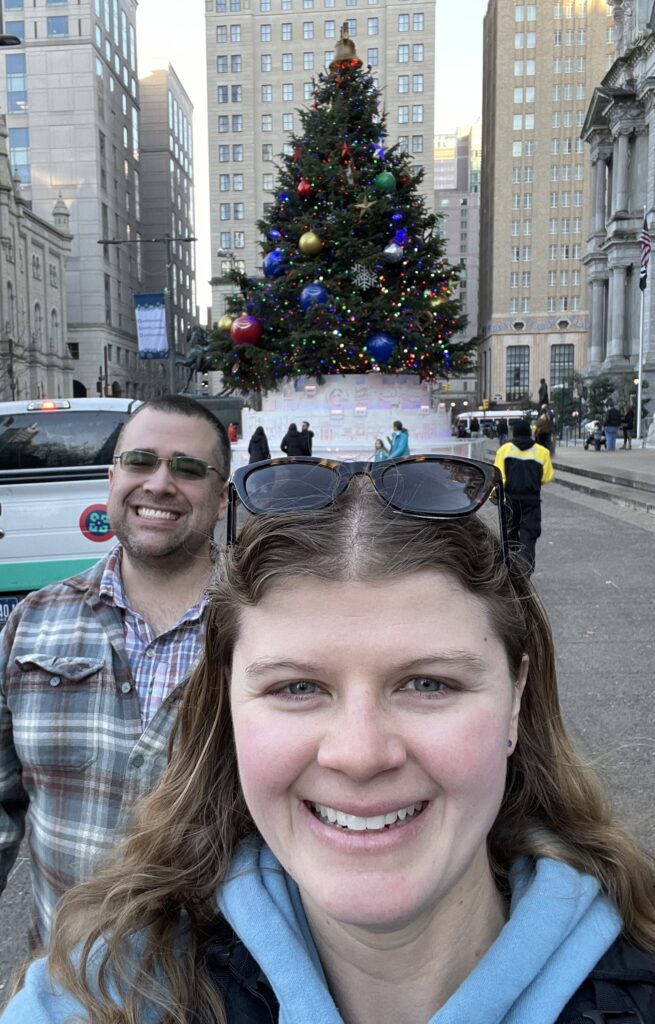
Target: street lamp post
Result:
[168, 241]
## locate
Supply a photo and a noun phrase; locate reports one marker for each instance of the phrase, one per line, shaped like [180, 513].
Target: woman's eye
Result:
[301, 688]
[425, 684]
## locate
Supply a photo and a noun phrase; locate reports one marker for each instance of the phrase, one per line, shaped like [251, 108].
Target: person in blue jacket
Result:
[399, 441]
[361, 825]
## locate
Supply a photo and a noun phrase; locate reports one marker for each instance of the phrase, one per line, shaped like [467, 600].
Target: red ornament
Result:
[297, 153]
[346, 153]
[245, 330]
[404, 180]
[304, 189]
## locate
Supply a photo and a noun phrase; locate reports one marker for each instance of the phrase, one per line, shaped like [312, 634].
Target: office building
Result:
[261, 62]
[71, 97]
[542, 62]
[167, 196]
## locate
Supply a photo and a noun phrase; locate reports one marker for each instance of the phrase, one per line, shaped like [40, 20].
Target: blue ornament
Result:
[401, 236]
[274, 234]
[397, 217]
[380, 347]
[274, 264]
[313, 293]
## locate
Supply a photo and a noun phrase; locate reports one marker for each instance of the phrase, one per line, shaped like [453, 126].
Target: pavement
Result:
[625, 477]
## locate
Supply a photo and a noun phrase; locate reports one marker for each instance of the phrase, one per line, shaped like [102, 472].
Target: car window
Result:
[42, 440]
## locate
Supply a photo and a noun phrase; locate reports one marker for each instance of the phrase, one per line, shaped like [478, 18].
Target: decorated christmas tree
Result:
[354, 275]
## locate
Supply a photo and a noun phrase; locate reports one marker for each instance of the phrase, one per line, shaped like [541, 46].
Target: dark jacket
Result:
[258, 449]
[612, 417]
[309, 436]
[295, 443]
[629, 418]
[622, 980]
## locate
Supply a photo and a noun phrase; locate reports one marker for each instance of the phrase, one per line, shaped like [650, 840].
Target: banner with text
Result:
[150, 312]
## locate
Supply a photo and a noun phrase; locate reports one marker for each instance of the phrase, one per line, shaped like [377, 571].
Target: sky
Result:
[164, 33]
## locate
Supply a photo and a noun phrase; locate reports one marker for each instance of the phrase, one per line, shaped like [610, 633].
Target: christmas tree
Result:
[354, 275]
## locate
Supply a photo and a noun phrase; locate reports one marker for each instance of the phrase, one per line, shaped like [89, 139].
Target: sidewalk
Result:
[633, 467]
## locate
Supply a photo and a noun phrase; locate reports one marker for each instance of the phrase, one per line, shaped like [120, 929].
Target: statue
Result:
[197, 358]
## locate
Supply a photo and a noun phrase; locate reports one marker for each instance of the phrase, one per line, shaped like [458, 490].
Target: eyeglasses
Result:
[421, 486]
[146, 463]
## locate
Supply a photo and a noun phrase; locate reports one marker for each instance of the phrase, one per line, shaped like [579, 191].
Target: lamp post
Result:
[168, 241]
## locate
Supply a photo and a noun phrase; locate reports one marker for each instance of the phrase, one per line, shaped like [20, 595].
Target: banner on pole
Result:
[150, 313]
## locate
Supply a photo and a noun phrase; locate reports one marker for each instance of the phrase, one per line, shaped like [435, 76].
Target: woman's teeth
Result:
[330, 816]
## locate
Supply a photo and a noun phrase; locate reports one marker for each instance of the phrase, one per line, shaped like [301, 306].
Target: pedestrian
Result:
[399, 441]
[502, 431]
[232, 433]
[543, 428]
[543, 393]
[307, 434]
[380, 453]
[628, 424]
[294, 443]
[343, 800]
[258, 449]
[92, 668]
[525, 465]
[612, 424]
[475, 427]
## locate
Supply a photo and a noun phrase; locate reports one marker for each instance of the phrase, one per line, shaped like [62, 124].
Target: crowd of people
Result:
[251, 804]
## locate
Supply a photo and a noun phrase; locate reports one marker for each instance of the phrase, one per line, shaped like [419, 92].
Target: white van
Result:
[54, 457]
[488, 418]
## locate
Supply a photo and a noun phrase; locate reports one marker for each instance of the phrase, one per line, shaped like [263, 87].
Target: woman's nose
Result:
[362, 741]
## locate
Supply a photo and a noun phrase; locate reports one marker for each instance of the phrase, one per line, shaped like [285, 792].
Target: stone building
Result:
[35, 359]
[621, 141]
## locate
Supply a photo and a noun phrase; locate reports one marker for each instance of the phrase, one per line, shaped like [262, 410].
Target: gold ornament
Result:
[225, 323]
[310, 244]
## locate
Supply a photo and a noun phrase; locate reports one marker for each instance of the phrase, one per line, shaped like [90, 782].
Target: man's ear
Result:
[222, 501]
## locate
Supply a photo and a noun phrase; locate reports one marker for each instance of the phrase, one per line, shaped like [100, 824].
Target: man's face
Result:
[161, 518]
[305, 425]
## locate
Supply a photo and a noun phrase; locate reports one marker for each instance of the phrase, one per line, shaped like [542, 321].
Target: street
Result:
[596, 575]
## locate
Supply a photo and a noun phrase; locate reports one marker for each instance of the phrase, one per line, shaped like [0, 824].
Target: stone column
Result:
[621, 146]
[598, 211]
[596, 352]
[615, 356]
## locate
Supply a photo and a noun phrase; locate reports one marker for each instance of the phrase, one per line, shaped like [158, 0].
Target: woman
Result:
[362, 825]
[258, 449]
[399, 441]
[628, 424]
[294, 442]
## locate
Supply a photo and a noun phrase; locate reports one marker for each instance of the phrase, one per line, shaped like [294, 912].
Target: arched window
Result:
[54, 331]
[37, 327]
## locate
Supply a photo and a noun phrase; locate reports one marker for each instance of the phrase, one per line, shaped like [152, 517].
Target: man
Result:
[92, 669]
[525, 466]
[543, 392]
[543, 428]
[307, 434]
[612, 424]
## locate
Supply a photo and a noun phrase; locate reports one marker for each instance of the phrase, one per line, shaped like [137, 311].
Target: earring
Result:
[509, 744]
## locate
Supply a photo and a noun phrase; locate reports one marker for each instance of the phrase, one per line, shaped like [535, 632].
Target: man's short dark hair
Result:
[184, 405]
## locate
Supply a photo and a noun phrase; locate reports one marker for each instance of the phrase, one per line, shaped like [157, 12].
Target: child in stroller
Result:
[594, 435]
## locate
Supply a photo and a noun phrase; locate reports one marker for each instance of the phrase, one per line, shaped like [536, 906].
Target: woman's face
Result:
[372, 725]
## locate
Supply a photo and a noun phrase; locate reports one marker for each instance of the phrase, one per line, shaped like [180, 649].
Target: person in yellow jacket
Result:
[525, 466]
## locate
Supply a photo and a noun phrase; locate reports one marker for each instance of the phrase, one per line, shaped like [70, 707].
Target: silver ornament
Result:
[393, 253]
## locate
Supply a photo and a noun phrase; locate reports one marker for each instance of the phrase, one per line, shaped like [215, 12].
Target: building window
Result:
[287, 62]
[237, 122]
[239, 239]
[417, 83]
[329, 29]
[221, 33]
[403, 54]
[237, 152]
[372, 56]
[418, 22]
[16, 83]
[287, 31]
[222, 93]
[403, 115]
[287, 122]
[517, 372]
[224, 182]
[223, 124]
[308, 61]
[267, 122]
[19, 154]
[562, 364]
[308, 29]
[517, 148]
[235, 33]
[307, 90]
[287, 93]
[265, 33]
[267, 152]
[239, 211]
[57, 26]
[403, 83]
[224, 211]
[237, 182]
[266, 62]
[222, 65]
[418, 51]
[225, 239]
[223, 154]
[267, 93]
[268, 182]
[417, 113]
[373, 26]
[237, 93]
[403, 22]
[235, 63]
[417, 143]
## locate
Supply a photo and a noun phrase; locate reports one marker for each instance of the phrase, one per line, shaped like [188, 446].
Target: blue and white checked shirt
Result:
[74, 751]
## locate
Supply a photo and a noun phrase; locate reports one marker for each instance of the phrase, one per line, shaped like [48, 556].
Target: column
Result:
[598, 212]
[615, 354]
[597, 333]
[621, 174]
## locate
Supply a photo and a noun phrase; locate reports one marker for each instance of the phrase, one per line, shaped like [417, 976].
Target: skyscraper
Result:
[542, 62]
[261, 63]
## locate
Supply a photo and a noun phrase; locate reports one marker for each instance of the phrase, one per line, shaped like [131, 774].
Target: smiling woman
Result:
[372, 810]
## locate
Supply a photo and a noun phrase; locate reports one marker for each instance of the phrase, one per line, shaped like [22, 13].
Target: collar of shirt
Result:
[111, 590]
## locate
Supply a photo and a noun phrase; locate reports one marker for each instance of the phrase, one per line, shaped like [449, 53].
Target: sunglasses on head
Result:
[421, 486]
[146, 463]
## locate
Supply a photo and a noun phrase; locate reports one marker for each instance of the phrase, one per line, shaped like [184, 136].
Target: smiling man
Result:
[92, 668]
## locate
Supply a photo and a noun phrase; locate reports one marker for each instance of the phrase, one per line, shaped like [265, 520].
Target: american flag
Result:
[644, 238]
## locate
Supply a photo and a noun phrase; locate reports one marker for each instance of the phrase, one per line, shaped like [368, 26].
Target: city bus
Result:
[488, 418]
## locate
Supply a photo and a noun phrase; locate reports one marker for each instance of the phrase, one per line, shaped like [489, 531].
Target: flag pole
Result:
[643, 284]
[639, 362]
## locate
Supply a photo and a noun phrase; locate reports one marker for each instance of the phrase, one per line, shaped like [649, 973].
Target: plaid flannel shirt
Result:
[72, 746]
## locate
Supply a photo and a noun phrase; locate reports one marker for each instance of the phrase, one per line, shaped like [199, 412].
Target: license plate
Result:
[7, 604]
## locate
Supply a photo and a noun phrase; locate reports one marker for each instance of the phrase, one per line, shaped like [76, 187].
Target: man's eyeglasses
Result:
[146, 463]
[422, 486]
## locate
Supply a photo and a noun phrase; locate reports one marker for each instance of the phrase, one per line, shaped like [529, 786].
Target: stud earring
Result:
[509, 744]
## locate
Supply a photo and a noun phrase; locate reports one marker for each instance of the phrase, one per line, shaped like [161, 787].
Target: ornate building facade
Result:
[35, 358]
[620, 132]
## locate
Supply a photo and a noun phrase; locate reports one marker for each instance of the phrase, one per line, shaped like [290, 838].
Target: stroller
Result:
[595, 436]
